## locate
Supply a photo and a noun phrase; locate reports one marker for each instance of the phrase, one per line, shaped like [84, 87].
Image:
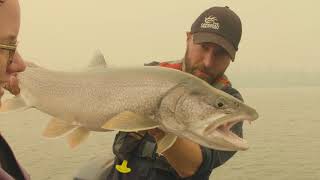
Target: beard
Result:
[201, 71]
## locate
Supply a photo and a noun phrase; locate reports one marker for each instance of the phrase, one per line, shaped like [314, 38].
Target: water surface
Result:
[284, 141]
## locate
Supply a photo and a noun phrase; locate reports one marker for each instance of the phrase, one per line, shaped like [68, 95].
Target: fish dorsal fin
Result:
[13, 104]
[128, 121]
[77, 136]
[166, 142]
[98, 60]
[56, 128]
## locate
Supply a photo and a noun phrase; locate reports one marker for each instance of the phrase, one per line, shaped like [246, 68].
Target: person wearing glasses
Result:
[11, 63]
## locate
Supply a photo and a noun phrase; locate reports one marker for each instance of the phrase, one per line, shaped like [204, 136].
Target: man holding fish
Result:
[211, 46]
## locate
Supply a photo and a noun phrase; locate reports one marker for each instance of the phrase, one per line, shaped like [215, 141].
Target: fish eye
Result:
[220, 102]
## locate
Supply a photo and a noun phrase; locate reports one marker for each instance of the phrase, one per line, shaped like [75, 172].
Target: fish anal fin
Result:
[56, 127]
[128, 121]
[166, 142]
[77, 136]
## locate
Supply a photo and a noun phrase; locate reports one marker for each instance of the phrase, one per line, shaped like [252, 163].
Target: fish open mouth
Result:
[222, 130]
[226, 130]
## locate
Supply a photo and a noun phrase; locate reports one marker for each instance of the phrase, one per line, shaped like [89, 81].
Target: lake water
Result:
[284, 141]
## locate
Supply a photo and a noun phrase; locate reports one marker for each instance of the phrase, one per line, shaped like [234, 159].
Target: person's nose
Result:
[209, 58]
[17, 64]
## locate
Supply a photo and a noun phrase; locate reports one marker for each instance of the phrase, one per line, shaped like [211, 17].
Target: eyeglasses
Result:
[11, 49]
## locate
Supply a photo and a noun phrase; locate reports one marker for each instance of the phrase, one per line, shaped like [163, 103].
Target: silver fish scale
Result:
[183, 104]
[102, 93]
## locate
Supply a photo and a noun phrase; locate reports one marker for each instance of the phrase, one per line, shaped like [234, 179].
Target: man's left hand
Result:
[156, 133]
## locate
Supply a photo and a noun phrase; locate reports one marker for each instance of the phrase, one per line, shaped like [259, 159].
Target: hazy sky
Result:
[277, 35]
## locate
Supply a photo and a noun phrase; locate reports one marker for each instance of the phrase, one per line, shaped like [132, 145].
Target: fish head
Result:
[206, 115]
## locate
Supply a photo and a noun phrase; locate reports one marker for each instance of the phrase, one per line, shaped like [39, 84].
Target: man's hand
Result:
[156, 133]
[1, 94]
[182, 151]
[8, 74]
[12, 86]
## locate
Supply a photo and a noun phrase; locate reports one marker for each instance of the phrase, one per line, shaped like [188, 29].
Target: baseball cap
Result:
[219, 25]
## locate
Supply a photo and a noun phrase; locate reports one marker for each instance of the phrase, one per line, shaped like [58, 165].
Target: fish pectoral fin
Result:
[56, 127]
[166, 142]
[129, 121]
[77, 136]
[15, 104]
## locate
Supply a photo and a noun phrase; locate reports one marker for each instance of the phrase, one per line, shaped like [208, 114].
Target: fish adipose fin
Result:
[13, 105]
[56, 128]
[128, 121]
[166, 142]
[77, 136]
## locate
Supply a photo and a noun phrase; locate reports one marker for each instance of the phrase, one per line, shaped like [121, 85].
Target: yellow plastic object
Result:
[123, 167]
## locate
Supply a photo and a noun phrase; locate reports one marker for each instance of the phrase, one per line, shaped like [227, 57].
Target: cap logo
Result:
[210, 22]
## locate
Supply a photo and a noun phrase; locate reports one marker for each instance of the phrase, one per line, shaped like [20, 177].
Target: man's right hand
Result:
[12, 86]
[1, 94]
[8, 75]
